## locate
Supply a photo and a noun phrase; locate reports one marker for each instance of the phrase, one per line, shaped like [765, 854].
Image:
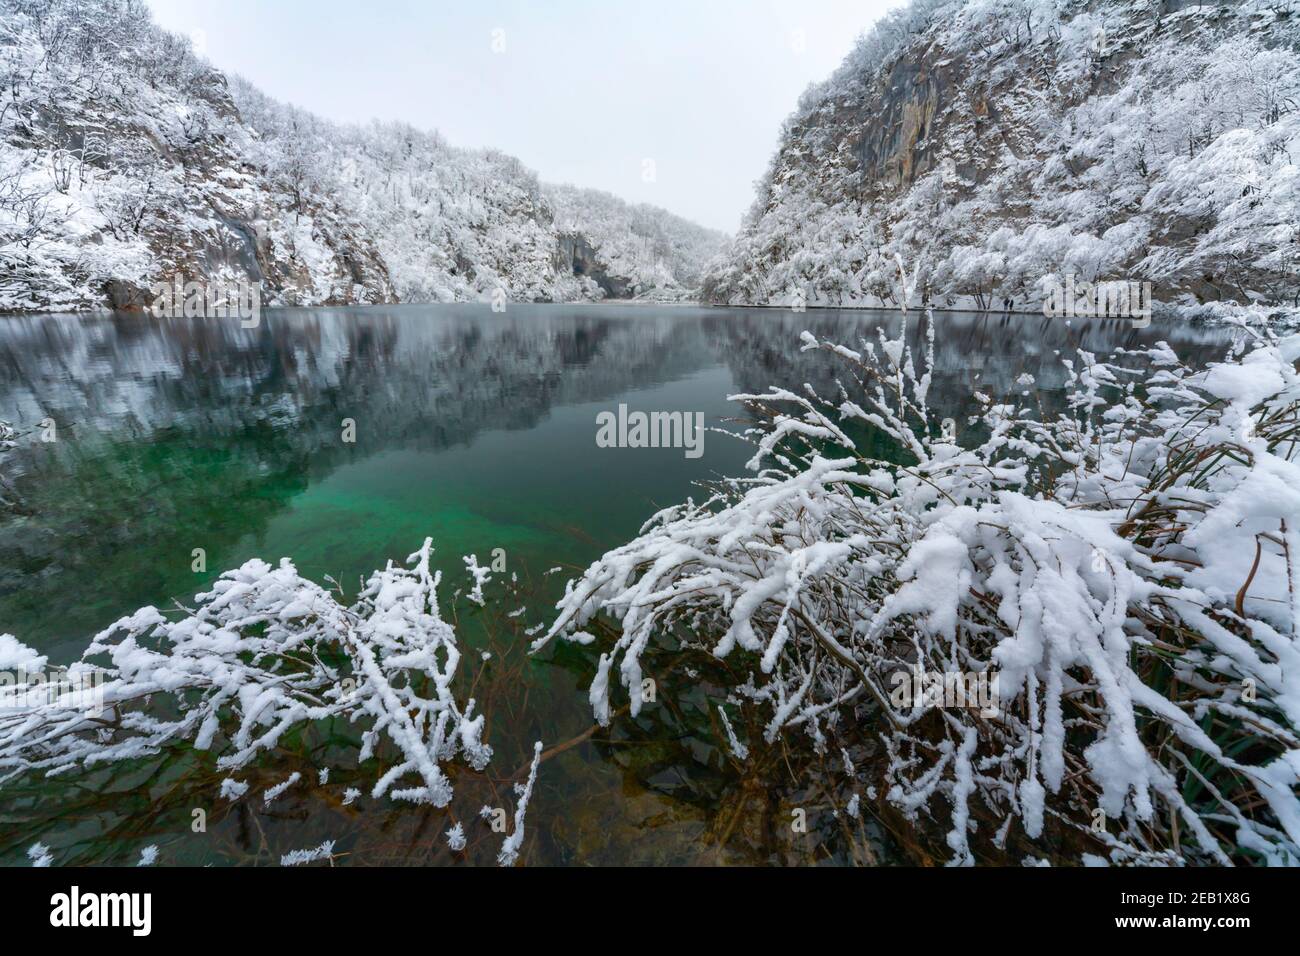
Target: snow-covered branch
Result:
[263, 652]
[1121, 575]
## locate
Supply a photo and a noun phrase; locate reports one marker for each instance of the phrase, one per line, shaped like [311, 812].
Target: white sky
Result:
[584, 92]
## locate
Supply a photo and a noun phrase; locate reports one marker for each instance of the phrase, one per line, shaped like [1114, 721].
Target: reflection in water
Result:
[475, 428]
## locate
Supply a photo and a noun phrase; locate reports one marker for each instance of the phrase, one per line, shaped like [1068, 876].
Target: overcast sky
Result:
[583, 91]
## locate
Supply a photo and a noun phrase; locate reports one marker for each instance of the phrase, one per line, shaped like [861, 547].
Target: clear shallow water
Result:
[474, 428]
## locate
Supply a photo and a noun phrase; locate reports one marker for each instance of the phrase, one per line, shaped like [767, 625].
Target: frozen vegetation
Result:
[263, 653]
[653, 249]
[1134, 522]
[1125, 571]
[264, 656]
[125, 159]
[996, 144]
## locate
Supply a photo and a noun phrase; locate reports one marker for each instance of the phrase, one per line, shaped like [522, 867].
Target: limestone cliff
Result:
[991, 144]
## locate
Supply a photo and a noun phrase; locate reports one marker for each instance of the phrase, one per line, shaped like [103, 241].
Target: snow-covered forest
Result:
[650, 247]
[994, 143]
[990, 143]
[126, 159]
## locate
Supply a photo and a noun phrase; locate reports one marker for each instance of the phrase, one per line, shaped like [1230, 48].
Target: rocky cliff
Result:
[993, 144]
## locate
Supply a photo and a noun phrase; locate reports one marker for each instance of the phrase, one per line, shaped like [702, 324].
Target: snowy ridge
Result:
[996, 144]
[652, 248]
[127, 160]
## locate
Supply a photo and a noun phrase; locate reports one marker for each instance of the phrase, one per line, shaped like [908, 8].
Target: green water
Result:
[474, 428]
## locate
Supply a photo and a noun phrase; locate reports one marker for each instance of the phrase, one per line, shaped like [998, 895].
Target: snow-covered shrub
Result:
[1123, 569]
[264, 652]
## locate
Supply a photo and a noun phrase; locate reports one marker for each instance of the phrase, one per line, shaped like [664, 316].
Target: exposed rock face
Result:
[576, 255]
[892, 143]
[991, 144]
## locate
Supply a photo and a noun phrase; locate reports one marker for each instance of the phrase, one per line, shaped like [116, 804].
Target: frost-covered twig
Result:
[510, 846]
[738, 749]
[300, 857]
[480, 575]
[39, 854]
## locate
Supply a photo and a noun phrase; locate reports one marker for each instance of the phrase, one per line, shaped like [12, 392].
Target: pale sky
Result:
[582, 91]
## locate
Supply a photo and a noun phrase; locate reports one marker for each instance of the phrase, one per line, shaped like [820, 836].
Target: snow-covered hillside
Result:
[126, 160]
[994, 144]
[651, 247]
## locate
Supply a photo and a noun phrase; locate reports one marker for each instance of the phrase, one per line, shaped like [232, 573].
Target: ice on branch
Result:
[263, 652]
[1125, 570]
[456, 838]
[510, 846]
[300, 857]
[39, 854]
[738, 750]
[481, 577]
[273, 793]
[232, 789]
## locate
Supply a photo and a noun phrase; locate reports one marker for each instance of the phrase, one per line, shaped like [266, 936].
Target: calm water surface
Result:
[474, 428]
